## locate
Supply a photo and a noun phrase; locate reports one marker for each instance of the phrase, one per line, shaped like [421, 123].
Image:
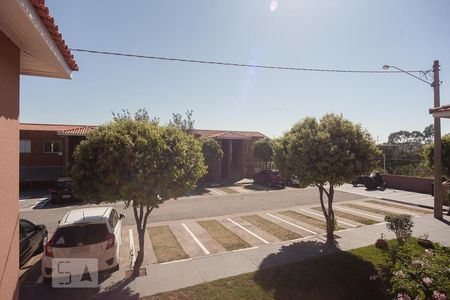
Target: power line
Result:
[231, 64]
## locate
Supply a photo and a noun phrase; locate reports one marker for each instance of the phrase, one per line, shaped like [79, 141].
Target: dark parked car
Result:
[269, 178]
[371, 182]
[32, 239]
[62, 191]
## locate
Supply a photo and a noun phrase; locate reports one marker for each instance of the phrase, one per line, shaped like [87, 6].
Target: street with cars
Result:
[221, 219]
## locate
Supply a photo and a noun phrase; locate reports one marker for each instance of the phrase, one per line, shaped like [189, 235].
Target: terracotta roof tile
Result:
[52, 28]
[227, 133]
[48, 127]
[81, 130]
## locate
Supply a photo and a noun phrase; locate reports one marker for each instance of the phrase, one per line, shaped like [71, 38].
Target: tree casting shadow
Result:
[322, 271]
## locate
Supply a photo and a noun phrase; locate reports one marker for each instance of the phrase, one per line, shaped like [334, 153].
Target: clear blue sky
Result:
[347, 34]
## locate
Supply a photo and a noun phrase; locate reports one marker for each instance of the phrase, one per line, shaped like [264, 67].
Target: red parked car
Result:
[269, 177]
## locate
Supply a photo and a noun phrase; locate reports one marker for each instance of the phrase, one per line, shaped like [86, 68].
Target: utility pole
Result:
[438, 200]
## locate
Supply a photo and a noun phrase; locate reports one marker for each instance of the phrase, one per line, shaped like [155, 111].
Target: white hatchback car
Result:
[93, 232]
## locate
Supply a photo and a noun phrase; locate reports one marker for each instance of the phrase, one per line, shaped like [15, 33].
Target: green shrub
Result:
[401, 225]
[424, 275]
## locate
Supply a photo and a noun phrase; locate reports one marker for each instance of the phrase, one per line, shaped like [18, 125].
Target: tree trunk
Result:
[141, 218]
[331, 220]
[328, 212]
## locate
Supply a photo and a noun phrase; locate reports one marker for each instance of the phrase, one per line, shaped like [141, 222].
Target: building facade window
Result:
[25, 146]
[52, 146]
[245, 147]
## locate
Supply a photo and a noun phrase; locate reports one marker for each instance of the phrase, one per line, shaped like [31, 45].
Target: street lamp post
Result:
[438, 201]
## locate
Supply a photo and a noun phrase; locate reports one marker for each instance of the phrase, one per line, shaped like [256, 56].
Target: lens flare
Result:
[273, 5]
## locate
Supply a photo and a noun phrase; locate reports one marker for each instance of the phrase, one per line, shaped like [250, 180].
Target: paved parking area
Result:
[30, 203]
[191, 238]
[235, 189]
[267, 227]
[390, 194]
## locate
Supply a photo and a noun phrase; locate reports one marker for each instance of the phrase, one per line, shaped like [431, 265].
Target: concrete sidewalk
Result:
[399, 196]
[179, 274]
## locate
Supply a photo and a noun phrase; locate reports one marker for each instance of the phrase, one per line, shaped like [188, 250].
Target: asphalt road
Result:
[200, 206]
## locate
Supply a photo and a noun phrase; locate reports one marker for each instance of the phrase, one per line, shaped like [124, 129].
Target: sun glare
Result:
[273, 5]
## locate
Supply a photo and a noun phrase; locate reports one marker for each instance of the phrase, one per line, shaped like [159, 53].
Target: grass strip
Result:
[227, 190]
[223, 235]
[165, 244]
[404, 207]
[350, 217]
[341, 275]
[272, 228]
[369, 209]
[307, 219]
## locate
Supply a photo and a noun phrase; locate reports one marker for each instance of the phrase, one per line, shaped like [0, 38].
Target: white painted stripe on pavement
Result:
[254, 234]
[322, 216]
[218, 192]
[239, 189]
[196, 239]
[292, 224]
[359, 212]
[132, 248]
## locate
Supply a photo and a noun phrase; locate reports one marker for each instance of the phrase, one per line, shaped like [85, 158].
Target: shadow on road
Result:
[330, 274]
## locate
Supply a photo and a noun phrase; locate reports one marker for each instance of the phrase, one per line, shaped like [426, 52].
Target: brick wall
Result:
[39, 165]
[408, 183]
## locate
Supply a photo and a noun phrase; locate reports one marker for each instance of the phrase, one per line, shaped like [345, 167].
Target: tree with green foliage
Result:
[326, 153]
[211, 150]
[429, 155]
[428, 134]
[263, 150]
[401, 225]
[184, 123]
[138, 162]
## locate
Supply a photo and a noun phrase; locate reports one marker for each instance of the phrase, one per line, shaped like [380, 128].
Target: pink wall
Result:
[9, 167]
[408, 183]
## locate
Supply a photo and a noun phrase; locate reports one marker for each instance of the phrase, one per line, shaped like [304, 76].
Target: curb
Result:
[413, 204]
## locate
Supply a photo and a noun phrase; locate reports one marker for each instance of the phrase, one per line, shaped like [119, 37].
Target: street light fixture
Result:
[387, 67]
[438, 201]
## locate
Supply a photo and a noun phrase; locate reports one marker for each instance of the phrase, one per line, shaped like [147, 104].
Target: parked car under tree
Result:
[269, 178]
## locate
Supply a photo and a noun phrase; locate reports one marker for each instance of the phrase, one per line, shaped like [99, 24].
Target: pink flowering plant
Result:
[420, 274]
